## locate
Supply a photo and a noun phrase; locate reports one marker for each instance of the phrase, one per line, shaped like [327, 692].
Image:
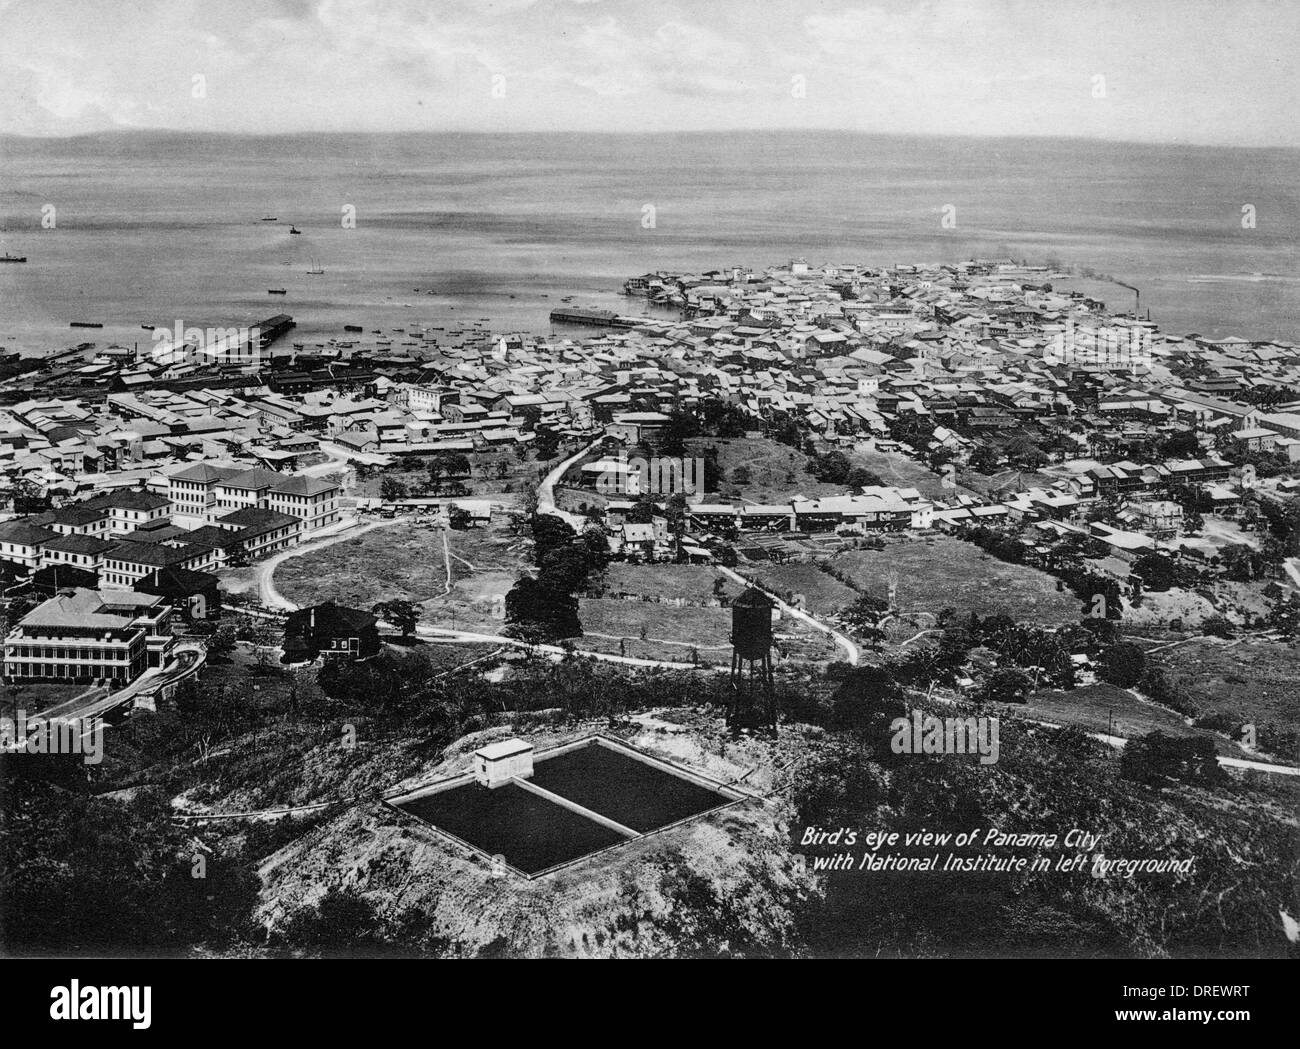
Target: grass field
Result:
[1105, 708]
[401, 561]
[934, 574]
[776, 471]
[406, 562]
[821, 593]
[895, 468]
[1254, 680]
[691, 582]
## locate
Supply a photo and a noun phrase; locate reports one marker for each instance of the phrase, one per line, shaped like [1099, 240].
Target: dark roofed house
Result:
[21, 543]
[55, 577]
[333, 630]
[195, 595]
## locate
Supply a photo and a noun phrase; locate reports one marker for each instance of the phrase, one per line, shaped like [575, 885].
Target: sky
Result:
[1204, 72]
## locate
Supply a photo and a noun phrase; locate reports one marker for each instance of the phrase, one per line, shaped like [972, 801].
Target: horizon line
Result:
[618, 133]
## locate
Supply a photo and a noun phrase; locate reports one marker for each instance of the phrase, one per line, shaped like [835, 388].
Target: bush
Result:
[1156, 757]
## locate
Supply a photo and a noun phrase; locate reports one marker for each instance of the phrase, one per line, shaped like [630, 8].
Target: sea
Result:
[490, 232]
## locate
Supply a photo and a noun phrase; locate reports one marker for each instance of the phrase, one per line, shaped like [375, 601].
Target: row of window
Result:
[86, 655]
[66, 670]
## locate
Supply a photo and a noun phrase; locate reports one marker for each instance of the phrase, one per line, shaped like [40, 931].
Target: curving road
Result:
[851, 650]
[546, 490]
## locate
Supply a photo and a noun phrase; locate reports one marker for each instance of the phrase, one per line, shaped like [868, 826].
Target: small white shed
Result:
[499, 763]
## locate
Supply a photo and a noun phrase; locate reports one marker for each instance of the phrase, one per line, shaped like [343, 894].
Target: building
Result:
[311, 499]
[499, 763]
[332, 630]
[193, 491]
[22, 543]
[194, 595]
[106, 636]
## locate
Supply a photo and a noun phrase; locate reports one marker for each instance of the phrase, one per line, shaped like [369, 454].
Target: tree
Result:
[1006, 685]
[1122, 664]
[866, 701]
[402, 614]
[741, 476]
[222, 643]
[546, 443]
[865, 612]
[459, 518]
[681, 426]
[391, 490]
[1156, 571]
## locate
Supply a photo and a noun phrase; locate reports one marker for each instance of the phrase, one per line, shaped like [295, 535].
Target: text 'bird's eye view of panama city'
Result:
[585, 479]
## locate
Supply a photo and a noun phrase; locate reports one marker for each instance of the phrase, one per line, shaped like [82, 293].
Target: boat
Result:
[316, 268]
[277, 291]
[270, 218]
[85, 324]
[147, 327]
[13, 258]
[294, 229]
[352, 327]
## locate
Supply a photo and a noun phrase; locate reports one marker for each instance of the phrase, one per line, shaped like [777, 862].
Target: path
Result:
[851, 650]
[546, 490]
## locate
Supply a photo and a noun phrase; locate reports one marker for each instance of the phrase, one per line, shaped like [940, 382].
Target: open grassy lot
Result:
[822, 594]
[895, 468]
[406, 561]
[485, 563]
[673, 632]
[776, 471]
[1105, 708]
[937, 573]
[670, 632]
[402, 561]
[690, 582]
[1254, 680]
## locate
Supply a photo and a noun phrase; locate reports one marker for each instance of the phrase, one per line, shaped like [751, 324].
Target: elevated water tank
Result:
[751, 624]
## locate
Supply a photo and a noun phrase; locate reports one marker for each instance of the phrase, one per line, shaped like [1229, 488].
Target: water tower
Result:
[753, 692]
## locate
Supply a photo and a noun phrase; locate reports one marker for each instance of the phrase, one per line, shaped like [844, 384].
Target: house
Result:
[330, 629]
[109, 636]
[194, 595]
[499, 763]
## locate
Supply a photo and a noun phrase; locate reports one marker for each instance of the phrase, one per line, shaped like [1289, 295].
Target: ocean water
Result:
[454, 229]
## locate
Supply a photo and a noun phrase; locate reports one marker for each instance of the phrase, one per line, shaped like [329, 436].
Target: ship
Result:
[316, 268]
[13, 258]
[85, 324]
[294, 229]
[277, 291]
[270, 218]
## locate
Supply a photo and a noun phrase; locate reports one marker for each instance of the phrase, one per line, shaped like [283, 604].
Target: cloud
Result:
[1192, 71]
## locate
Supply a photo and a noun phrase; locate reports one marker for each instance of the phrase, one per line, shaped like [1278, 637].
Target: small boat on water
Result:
[270, 218]
[85, 324]
[294, 229]
[147, 327]
[352, 327]
[316, 268]
[12, 258]
[277, 291]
